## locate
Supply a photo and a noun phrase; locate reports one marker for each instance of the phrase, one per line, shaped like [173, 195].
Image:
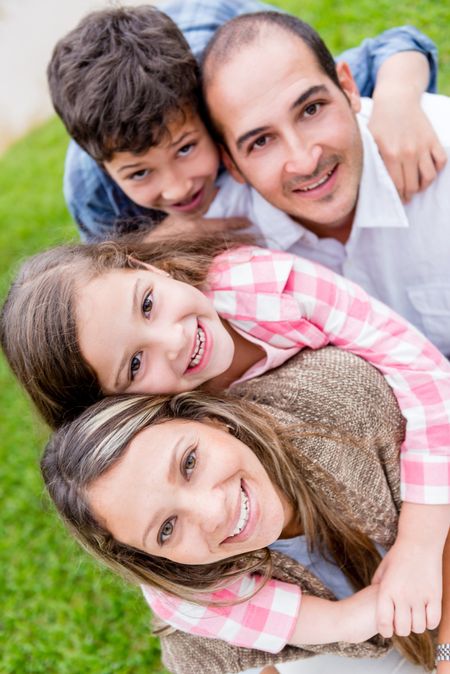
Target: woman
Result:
[331, 452]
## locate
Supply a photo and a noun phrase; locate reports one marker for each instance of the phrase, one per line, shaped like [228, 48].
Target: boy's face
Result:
[177, 175]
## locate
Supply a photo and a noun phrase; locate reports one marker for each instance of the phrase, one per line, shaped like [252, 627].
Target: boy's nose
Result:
[177, 189]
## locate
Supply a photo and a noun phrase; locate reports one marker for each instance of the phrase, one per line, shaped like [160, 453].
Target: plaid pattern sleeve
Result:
[287, 301]
[265, 621]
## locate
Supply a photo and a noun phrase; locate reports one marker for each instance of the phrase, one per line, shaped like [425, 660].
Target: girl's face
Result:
[142, 331]
[190, 492]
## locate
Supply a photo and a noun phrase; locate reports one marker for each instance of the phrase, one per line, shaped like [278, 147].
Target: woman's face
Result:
[190, 492]
[144, 332]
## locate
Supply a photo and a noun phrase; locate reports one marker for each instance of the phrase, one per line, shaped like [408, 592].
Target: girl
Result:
[84, 321]
[321, 473]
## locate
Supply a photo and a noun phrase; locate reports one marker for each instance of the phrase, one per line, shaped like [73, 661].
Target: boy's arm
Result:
[395, 68]
[410, 575]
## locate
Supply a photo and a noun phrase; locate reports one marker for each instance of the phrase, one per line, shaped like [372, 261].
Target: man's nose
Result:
[301, 158]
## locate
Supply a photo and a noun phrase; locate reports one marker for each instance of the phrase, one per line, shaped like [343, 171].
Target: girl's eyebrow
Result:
[170, 478]
[125, 358]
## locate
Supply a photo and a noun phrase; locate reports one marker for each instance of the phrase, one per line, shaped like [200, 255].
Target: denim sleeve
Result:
[96, 203]
[199, 19]
[366, 59]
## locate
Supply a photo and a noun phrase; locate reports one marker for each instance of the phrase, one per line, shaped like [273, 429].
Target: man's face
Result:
[290, 131]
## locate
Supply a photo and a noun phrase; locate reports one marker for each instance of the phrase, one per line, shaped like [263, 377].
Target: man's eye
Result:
[135, 364]
[312, 109]
[259, 143]
[189, 464]
[166, 531]
[147, 305]
[140, 175]
[186, 150]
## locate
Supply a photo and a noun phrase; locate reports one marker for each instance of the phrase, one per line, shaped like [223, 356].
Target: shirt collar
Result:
[379, 204]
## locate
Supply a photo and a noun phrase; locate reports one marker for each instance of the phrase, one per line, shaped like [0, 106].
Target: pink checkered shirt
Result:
[287, 302]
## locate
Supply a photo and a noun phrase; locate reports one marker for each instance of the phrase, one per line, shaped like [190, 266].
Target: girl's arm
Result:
[273, 617]
[288, 302]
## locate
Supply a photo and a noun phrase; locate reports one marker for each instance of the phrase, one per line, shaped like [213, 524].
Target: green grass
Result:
[60, 612]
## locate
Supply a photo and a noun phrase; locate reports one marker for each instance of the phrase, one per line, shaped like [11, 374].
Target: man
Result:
[295, 129]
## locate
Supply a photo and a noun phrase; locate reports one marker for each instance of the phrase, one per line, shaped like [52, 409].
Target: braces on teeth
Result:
[199, 348]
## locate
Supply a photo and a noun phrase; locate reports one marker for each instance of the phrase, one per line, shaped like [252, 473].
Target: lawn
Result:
[61, 613]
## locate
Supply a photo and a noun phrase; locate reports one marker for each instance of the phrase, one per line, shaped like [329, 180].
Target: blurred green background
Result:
[61, 613]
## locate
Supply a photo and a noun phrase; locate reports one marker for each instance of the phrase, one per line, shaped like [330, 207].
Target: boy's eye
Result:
[147, 304]
[189, 464]
[312, 109]
[166, 531]
[186, 150]
[139, 175]
[135, 364]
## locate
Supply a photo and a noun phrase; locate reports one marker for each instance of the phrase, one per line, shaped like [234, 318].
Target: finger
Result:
[385, 617]
[427, 171]
[411, 179]
[238, 223]
[394, 168]
[439, 156]
[433, 612]
[418, 618]
[402, 619]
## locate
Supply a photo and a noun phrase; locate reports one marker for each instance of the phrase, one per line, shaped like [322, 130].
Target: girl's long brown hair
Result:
[82, 451]
[38, 323]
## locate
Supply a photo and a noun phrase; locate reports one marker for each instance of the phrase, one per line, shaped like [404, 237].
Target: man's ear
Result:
[348, 85]
[230, 165]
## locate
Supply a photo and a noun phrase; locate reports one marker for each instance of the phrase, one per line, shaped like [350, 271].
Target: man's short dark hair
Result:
[119, 77]
[243, 30]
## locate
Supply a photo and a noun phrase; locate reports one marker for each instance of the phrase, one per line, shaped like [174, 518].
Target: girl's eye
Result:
[139, 175]
[147, 305]
[186, 150]
[189, 464]
[135, 364]
[166, 531]
[312, 109]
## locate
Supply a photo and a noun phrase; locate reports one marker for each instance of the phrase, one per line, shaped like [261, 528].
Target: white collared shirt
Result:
[399, 253]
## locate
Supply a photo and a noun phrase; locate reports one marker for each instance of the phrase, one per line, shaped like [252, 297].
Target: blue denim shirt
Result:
[95, 201]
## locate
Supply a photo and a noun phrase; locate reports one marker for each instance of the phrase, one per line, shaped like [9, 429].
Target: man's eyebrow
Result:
[170, 478]
[312, 91]
[125, 358]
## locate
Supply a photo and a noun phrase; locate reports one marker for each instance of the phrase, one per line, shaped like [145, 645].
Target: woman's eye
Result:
[189, 464]
[135, 364]
[139, 175]
[147, 305]
[186, 149]
[312, 109]
[166, 531]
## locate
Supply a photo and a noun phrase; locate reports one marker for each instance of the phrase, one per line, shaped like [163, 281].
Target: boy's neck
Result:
[246, 354]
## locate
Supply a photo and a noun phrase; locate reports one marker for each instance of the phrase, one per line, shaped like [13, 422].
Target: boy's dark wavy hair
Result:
[119, 77]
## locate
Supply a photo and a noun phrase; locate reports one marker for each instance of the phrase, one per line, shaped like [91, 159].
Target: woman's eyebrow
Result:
[172, 469]
[125, 358]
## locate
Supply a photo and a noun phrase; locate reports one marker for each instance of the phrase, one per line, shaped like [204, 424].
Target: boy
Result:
[125, 83]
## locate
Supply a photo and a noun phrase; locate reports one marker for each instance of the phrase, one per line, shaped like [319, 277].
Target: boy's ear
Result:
[230, 165]
[348, 85]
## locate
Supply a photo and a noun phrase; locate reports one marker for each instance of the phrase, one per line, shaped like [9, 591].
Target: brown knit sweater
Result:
[352, 458]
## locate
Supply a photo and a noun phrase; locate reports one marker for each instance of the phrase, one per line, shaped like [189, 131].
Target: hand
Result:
[408, 145]
[443, 667]
[176, 226]
[410, 589]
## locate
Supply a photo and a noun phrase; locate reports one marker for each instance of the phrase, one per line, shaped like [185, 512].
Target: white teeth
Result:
[243, 518]
[314, 185]
[199, 348]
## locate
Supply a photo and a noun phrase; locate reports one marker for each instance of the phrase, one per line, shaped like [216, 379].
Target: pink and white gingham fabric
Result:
[288, 301]
[264, 622]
